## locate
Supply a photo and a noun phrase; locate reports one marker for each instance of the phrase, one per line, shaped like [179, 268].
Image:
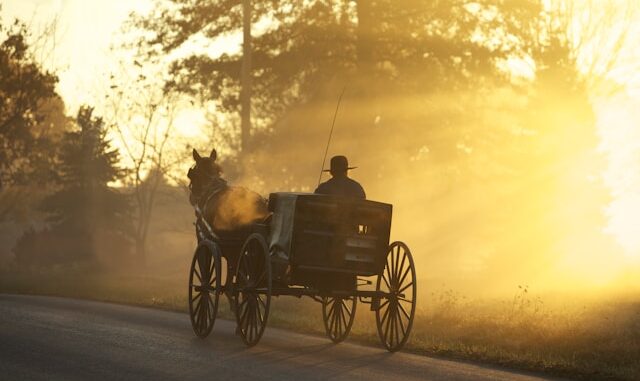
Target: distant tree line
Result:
[63, 165]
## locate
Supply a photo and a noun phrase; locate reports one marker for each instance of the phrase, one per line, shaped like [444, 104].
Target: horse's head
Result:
[203, 173]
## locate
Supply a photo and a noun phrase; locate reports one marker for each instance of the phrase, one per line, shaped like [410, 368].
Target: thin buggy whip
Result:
[324, 159]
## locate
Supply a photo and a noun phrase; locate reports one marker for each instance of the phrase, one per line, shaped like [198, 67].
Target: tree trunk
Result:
[365, 42]
[245, 80]
[141, 251]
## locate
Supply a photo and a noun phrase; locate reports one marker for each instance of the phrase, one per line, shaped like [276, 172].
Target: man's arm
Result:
[362, 194]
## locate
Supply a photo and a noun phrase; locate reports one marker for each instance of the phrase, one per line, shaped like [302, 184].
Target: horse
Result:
[224, 207]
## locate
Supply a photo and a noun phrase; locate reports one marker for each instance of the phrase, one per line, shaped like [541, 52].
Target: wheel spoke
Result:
[195, 271]
[404, 276]
[392, 319]
[385, 324]
[332, 308]
[247, 321]
[338, 321]
[401, 267]
[198, 303]
[346, 307]
[260, 315]
[247, 325]
[404, 332]
[398, 328]
[388, 273]
[243, 313]
[344, 318]
[404, 311]
[264, 305]
[405, 287]
[257, 283]
[254, 323]
[390, 326]
[212, 266]
[385, 315]
[200, 310]
[386, 282]
[396, 259]
[334, 326]
[343, 321]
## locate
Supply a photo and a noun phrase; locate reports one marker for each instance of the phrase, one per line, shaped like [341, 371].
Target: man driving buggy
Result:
[340, 184]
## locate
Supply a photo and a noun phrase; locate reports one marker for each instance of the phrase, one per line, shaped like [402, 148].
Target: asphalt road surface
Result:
[45, 338]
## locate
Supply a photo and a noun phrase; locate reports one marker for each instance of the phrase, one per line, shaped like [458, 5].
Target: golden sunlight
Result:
[618, 121]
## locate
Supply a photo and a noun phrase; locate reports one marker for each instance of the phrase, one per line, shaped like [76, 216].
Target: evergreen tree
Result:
[87, 165]
[85, 209]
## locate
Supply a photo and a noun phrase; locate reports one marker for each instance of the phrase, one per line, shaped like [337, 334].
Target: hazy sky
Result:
[85, 32]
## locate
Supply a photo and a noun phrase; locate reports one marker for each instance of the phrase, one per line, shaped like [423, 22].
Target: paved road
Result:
[45, 338]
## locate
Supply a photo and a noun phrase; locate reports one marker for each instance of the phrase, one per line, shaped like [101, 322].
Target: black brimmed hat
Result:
[338, 164]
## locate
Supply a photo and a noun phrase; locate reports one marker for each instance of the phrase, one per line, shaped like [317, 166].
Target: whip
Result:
[330, 134]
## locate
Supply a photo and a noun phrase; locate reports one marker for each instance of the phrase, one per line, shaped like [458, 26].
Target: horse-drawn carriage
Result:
[333, 249]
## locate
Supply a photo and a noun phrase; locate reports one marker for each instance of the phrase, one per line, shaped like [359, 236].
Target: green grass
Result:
[582, 339]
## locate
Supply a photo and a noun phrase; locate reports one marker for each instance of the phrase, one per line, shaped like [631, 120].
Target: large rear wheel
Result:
[395, 312]
[204, 288]
[253, 289]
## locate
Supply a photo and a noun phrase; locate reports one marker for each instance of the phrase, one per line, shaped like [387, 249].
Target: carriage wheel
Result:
[204, 286]
[338, 314]
[395, 313]
[253, 289]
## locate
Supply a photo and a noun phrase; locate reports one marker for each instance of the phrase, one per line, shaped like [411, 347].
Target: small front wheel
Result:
[253, 289]
[204, 288]
[395, 311]
[338, 314]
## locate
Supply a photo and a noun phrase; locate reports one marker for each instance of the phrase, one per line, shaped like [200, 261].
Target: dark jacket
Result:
[341, 186]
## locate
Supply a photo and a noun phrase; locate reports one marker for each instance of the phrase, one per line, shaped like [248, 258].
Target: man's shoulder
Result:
[322, 187]
[353, 182]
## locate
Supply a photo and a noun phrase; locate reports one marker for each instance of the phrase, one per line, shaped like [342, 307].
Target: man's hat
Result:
[339, 164]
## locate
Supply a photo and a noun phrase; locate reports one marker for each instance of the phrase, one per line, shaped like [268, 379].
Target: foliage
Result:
[309, 51]
[31, 113]
[85, 208]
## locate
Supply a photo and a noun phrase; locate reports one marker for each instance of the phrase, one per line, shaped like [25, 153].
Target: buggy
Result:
[334, 250]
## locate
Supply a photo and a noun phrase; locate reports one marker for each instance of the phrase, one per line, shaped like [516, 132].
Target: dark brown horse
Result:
[224, 207]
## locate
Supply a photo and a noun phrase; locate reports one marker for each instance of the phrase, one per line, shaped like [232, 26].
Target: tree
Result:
[141, 116]
[25, 90]
[174, 24]
[308, 52]
[85, 208]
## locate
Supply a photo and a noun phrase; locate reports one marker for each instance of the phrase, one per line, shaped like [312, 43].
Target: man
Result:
[340, 184]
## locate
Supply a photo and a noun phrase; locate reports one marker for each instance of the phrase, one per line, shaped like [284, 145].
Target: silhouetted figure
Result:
[340, 184]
